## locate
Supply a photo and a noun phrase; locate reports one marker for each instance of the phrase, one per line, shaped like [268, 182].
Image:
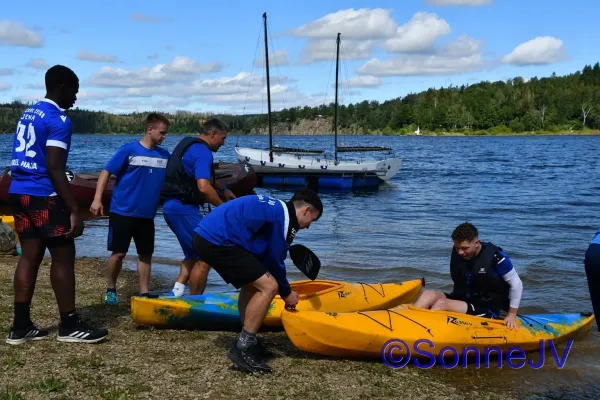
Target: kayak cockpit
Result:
[308, 288]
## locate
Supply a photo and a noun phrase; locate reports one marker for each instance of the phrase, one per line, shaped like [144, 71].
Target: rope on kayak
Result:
[389, 326]
[525, 318]
[382, 293]
[412, 320]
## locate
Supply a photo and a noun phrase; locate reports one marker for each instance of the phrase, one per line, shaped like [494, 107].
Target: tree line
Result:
[553, 104]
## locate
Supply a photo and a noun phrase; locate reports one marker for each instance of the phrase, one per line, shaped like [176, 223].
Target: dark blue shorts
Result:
[183, 226]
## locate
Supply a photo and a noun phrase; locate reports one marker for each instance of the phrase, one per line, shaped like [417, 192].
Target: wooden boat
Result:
[239, 178]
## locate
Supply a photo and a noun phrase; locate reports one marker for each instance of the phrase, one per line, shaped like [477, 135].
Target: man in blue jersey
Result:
[592, 273]
[246, 241]
[140, 170]
[189, 184]
[45, 210]
[485, 280]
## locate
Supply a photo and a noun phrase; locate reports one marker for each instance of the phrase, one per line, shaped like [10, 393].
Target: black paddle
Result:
[306, 261]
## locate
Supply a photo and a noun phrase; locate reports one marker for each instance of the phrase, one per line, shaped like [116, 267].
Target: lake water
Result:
[536, 197]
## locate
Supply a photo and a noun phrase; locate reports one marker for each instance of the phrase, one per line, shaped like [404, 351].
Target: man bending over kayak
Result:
[246, 240]
[485, 281]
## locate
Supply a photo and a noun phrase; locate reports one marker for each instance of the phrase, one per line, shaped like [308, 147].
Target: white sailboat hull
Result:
[287, 163]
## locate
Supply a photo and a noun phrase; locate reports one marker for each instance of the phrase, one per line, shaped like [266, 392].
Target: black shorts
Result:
[477, 308]
[122, 228]
[39, 217]
[234, 264]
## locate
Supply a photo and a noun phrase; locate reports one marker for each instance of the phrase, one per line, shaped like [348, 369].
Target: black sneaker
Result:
[82, 333]
[262, 348]
[248, 360]
[32, 332]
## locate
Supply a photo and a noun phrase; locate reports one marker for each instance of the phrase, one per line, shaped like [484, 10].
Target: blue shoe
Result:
[111, 299]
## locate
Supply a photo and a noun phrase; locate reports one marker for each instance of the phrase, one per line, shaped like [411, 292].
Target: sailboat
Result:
[303, 167]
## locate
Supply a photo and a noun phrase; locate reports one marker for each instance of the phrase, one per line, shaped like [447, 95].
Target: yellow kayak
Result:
[368, 334]
[220, 310]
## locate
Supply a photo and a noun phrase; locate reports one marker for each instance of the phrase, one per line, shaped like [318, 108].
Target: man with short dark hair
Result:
[246, 241]
[485, 280]
[45, 210]
[189, 184]
[140, 170]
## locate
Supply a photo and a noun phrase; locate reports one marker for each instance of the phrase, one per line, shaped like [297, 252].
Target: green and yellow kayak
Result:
[219, 311]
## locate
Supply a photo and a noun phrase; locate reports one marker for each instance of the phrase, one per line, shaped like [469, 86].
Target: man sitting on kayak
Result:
[485, 281]
[246, 240]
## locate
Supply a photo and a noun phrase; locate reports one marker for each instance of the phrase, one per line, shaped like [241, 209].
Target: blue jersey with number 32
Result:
[41, 125]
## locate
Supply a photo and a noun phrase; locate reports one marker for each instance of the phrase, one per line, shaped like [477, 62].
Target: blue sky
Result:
[200, 56]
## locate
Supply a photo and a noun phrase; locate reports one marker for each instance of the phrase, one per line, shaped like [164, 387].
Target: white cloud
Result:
[277, 58]
[363, 23]
[422, 65]
[86, 95]
[239, 90]
[458, 56]
[365, 81]
[30, 97]
[37, 63]
[538, 51]
[13, 33]
[6, 71]
[419, 34]
[85, 55]
[324, 50]
[181, 69]
[4, 87]
[238, 84]
[35, 86]
[463, 46]
[186, 65]
[468, 3]
[141, 17]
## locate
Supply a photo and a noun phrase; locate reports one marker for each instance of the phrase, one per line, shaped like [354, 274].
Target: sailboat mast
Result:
[337, 68]
[268, 91]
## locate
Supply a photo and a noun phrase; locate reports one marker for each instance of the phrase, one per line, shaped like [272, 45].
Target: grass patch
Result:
[14, 361]
[50, 385]
[10, 393]
[122, 370]
[116, 394]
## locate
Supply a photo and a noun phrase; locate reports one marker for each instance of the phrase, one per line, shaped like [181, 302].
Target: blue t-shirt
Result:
[41, 125]
[197, 162]
[140, 174]
[596, 239]
[258, 224]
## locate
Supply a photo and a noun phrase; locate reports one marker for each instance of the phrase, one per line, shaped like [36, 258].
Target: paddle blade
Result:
[306, 261]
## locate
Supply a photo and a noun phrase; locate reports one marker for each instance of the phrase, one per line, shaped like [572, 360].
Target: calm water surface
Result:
[537, 197]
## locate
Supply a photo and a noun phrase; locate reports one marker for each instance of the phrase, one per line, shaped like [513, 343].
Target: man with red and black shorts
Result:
[46, 212]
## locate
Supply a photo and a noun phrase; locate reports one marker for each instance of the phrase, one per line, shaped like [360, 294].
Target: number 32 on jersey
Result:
[30, 139]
